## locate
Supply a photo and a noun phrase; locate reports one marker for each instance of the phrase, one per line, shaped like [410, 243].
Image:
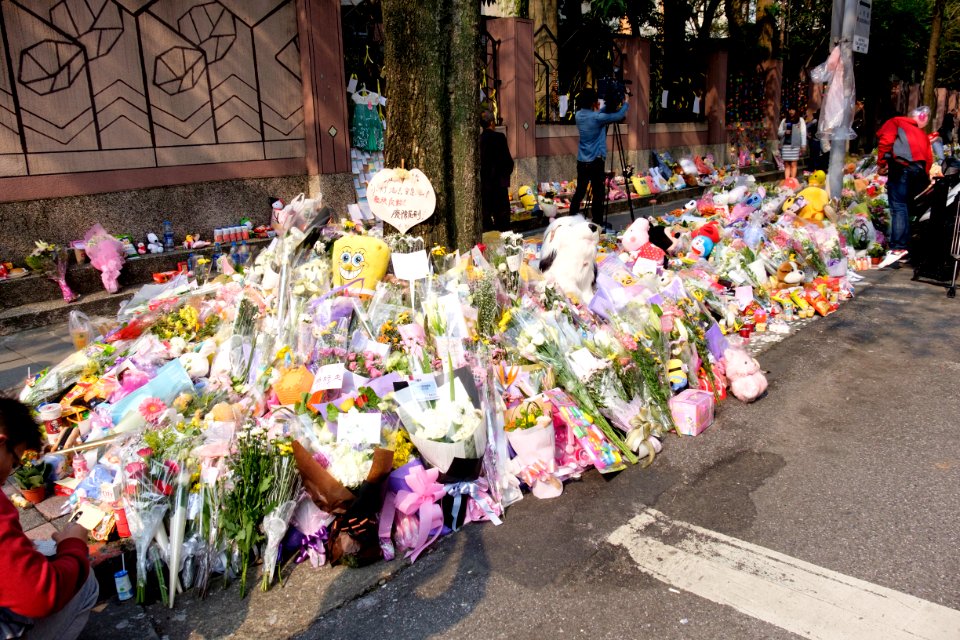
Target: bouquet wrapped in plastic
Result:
[106, 255]
[51, 261]
[354, 534]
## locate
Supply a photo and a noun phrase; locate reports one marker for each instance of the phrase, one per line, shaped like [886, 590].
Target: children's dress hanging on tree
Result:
[366, 132]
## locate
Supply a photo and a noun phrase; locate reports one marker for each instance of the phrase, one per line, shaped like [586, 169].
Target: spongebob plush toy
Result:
[360, 262]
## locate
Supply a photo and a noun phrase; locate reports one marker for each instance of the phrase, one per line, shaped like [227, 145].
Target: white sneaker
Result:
[892, 256]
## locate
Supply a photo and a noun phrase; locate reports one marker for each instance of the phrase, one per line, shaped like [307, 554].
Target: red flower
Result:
[361, 400]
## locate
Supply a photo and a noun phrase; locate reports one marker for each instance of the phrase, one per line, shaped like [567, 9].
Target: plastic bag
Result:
[106, 255]
[836, 112]
[81, 330]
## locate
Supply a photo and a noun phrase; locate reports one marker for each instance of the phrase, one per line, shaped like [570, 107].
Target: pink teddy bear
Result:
[743, 374]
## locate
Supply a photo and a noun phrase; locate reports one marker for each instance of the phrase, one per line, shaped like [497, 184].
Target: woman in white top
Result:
[793, 142]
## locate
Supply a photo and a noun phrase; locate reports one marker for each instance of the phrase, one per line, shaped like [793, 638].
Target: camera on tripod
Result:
[612, 91]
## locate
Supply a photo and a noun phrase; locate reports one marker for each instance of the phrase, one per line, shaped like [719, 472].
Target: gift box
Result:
[692, 411]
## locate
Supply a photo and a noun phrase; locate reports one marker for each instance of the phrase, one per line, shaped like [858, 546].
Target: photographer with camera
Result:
[592, 150]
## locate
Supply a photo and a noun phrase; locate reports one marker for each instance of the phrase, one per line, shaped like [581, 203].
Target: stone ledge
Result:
[678, 127]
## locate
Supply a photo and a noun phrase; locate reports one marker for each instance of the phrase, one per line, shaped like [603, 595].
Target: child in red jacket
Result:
[40, 597]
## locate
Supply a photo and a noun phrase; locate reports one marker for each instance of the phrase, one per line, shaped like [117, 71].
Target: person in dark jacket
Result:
[904, 154]
[496, 167]
[947, 126]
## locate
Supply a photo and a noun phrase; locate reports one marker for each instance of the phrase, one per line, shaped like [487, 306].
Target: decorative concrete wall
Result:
[124, 84]
[192, 208]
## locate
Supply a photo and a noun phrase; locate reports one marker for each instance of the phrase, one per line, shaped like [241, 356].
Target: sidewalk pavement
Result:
[31, 351]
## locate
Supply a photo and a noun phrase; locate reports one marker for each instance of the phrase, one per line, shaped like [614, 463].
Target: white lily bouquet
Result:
[442, 415]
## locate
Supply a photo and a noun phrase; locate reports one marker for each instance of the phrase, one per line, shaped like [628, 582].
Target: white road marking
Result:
[800, 597]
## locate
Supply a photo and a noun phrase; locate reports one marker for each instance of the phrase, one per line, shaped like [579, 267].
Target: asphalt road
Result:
[850, 463]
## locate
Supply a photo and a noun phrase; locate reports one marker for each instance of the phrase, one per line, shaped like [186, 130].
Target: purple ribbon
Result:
[310, 546]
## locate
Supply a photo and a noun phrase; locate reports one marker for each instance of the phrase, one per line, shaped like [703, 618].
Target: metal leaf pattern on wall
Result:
[211, 27]
[289, 57]
[178, 70]
[97, 24]
[50, 66]
[116, 84]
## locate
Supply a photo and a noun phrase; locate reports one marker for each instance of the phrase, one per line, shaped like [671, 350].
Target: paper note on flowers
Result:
[329, 376]
[358, 428]
[401, 198]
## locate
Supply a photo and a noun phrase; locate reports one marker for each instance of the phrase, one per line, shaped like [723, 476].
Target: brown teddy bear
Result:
[789, 274]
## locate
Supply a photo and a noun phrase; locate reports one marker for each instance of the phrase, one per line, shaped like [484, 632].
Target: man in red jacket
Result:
[40, 597]
[904, 154]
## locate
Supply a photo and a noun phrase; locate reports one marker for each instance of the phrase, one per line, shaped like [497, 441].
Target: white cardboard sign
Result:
[401, 198]
[329, 376]
[411, 266]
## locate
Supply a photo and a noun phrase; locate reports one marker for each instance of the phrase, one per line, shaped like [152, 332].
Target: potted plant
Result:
[32, 478]
[875, 251]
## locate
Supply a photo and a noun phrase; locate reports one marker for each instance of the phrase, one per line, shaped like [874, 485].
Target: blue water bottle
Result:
[217, 252]
[167, 235]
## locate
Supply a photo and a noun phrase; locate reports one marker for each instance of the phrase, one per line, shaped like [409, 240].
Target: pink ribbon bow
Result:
[421, 500]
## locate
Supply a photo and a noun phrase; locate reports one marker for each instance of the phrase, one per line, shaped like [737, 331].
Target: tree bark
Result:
[930, 76]
[432, 61]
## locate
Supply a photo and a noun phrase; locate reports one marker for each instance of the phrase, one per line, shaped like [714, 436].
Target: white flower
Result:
[177, 346]
[349, 466]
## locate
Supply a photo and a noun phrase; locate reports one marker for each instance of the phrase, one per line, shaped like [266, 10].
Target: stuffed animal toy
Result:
[731, 197]
[793, 205]
[791, 183]
[141, 248]
[153, 243]
[789, 274]
[637, 242]
[666, 238]
[711, 230]
[677, 374]
[614, 192]
[747, 382]
[816, 199]
[701, 247]
[527, 198]
[568, 256]
[702, 166]
[360, 262]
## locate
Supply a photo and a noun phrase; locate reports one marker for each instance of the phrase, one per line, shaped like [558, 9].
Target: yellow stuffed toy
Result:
[527, 198]
[359, 262]
[816, 199]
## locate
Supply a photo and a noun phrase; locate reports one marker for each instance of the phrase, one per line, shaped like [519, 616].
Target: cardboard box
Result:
[692, 411]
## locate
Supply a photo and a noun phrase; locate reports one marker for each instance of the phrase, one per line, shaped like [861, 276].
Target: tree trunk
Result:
[930, 77]
[768, 28]
[432, 59]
